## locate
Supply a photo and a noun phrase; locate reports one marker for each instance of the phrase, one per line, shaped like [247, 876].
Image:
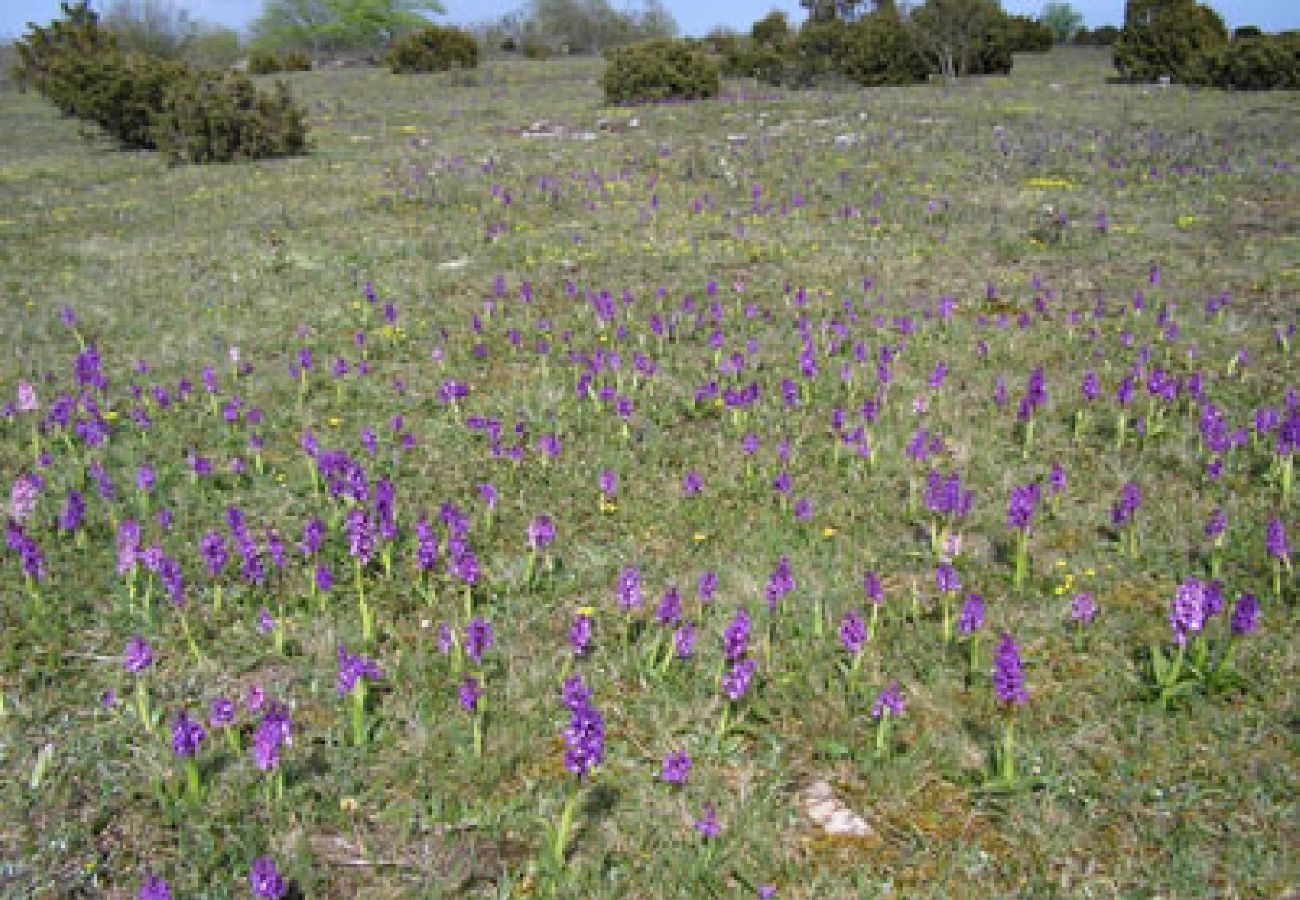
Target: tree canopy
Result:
[333, 26]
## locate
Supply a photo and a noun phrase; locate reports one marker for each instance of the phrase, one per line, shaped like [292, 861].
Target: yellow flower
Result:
[828, 531]
[348, 804]
[700, 536]
[586, 610]
[335, 421]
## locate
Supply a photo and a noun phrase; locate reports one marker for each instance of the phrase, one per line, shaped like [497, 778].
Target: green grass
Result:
[928, 191]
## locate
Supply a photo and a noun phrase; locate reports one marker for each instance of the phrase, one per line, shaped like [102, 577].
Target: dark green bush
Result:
[1166, 38]
[878, 50]
[659, 70]
[261, 62]
[743, 58]
[1026, 35]
[146, 102]
[296, 61]
[772, 30]
[1266, 62]
[1101, 36]
[433, 49]
[223, 117]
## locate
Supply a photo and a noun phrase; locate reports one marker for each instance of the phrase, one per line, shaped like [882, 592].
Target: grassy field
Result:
[502, 282]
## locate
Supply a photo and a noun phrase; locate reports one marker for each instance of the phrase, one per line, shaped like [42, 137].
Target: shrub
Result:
[1026, 35]
[145, 102]
[878, 50]
[261, 62]
[1166, 38]
[743, 58]
[433, 49]
[1266, 62]
[1246, 31]
[223, 117]
[659, 70]
[772, 30]
[1101, 36]
[296, 61]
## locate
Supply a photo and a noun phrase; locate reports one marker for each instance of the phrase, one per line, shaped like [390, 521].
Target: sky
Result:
[694, 17]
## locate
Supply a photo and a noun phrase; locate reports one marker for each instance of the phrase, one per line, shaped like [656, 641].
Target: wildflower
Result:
[574, 693]
[1021, 506]
[353, 667]
[946, 578]
[1276, 543]
[1245, 614]
[1216, 524]
[684, 640]
[889, 702]
[22, 496]
[1130, 498]
[692, 483]
[478, 638]
[541, 532]
[1008, 672]
[676, 767]
[608, 482]
[580, 634]
[187, 735]
[273, 732]
[139, 655]
[1082, 609]
[706, 585]
[221, 712]
[584, 739]
[780, 583]
[154, 887]
[971, 617]
[735, 637]
[669, 611]
[853, 632]
[735, 683]
[1187, 610]
[629, 588]
[266, 880]
[471, 689]
[707, 824]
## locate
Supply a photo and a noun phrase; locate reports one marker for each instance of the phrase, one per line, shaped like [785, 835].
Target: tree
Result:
[333, 26]
[1063, 19]
[1166, 38]
[954, 34]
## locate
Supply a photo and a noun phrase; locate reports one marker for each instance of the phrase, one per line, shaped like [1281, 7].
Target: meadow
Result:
[518, 496]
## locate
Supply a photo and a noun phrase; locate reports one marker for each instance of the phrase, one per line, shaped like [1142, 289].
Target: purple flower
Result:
[706, 585]
[488, 492]
[736, 681]
[266, 880]
[187, 735]
[22, 496]
[1090, 388]
[707, 824]
[541, 532]
[574, 693]
[1245, 614]
[584, 739]
[324, 578]
[692, 483]
[629, 588]
[872, 588]
[478, 638]
[889, 702]
[735, 637]
[780, 583]
[946, 578]
[361, 534]
[669, 611]
[273, 731]
[445, 638]
[580, 634]
[1130, 498]
[676, 767]
[1008, 672]
[971, 618]
[608, 482]
[265, 621]
[1187, 610]
[354, 666]
[471, 689]
[154, 887]
[1275, 542]
[1082, 609]
[139, 655]
[1217, 523]
[74, 511]
[853, 632]
[221, 712]
[684, 640]
[1022, 505]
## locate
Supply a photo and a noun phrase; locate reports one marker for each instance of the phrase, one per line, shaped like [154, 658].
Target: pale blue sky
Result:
[693, 16]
